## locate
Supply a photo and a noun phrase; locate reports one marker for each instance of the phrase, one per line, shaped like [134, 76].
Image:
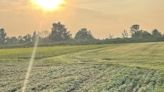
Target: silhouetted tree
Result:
[137, 35]
[20, 39]
[141, 35]
[2, 36]
[135, 28]
[27, 38]
[136, 32]
[156, 34]
[84, 35]
[125, 34]
[12, 40]
[59, 33]
[146, 35]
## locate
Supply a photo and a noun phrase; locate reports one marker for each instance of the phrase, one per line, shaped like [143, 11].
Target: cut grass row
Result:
[42, 52]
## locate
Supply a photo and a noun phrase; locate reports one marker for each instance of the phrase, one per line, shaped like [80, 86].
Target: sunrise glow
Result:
[48, 5]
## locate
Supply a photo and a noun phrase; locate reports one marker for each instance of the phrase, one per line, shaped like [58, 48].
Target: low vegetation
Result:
[85, 68]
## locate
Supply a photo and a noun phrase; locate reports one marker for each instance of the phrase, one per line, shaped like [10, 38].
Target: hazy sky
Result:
[102, 17]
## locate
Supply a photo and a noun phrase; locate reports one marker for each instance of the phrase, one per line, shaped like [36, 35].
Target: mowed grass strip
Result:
[42, 52]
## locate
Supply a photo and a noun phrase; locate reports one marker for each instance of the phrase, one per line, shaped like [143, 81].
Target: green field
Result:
[136, 67]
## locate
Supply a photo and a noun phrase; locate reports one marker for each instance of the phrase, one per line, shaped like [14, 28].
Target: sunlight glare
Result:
[48, 5]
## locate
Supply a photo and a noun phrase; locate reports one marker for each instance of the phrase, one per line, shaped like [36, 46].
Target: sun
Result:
[48, 4]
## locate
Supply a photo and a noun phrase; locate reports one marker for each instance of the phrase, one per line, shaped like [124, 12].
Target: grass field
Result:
[137, 67]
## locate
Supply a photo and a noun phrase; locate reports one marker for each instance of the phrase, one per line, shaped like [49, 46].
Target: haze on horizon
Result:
[101, 17]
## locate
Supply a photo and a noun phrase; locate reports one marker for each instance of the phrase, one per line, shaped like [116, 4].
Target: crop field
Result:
[136, 67]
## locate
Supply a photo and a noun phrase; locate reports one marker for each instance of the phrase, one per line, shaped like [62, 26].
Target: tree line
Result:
[60, 35]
